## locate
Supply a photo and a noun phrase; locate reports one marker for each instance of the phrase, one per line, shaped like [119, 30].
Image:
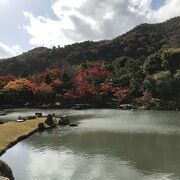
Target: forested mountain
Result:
[140, 68]
[137, 44]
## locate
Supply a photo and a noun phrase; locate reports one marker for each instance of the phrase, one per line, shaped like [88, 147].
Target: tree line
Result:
[154, 83]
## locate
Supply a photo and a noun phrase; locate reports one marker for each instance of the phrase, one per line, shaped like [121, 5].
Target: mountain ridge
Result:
[138, 44]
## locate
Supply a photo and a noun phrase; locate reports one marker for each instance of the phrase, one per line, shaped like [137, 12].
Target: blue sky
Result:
[156, 4]
[26, 24]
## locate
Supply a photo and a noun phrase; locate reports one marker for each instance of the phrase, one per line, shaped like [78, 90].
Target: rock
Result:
[26, 104]
[5, 171]
[38, 114]
[81, 106]
[20, 120]
[20, 117]
[57, 104]
[4, 178]
[73, 125]
[2, 113]
[41, 127]
[132, 110]
[2, 122]
[77, 107]
[125, 106]
[64, 120]
[30, 117]
[49, 120]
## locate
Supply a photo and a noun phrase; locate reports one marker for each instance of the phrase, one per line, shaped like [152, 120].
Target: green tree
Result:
[176, 85]
[153, 64]
[149, 85]
[24, 74]
[171, 59]
[48, 79]
[163, 84]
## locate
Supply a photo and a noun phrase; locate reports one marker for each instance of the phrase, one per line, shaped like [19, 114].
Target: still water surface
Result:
[107, 144]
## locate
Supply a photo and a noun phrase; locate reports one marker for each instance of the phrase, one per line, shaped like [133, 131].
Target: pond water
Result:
[106, 144]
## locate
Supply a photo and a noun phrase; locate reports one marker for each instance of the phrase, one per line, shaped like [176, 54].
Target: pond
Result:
[106, 144]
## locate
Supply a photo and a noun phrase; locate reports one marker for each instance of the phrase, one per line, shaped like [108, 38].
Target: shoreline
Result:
[13, 132]
[104, 107]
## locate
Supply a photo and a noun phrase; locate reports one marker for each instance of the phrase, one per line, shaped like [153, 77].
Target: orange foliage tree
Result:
[41, 92]
[145, 99]
[17, 85]
[56, 85]
[122, 93]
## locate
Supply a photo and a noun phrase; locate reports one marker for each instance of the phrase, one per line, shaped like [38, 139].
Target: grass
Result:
[13, 132]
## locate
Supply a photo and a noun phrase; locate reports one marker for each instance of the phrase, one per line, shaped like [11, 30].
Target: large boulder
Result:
[73, 125]
[64, 120]
[4, 178]
[38, 114]
[49, 120]
[5, 170]
[41, 127]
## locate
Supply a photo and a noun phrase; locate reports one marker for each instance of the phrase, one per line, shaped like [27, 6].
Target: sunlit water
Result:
[107, 144]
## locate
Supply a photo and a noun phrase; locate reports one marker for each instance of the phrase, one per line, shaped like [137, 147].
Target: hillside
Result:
[137, 44]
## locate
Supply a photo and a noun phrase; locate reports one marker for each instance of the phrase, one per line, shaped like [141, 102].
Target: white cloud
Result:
[45, 31]
[3, 1]
[6, 51]
[170, 9]
[94, 20]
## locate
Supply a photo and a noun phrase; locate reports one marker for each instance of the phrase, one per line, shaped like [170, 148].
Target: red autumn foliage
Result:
[5, 79]
[98, 71]
[83, 78]
[83, 87]
[70, 95]
[82, 84]
[56, 84]
[40, 89]
[42, 76]
[105, 87]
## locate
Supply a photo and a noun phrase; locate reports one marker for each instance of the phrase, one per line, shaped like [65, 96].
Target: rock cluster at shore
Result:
[5, 171]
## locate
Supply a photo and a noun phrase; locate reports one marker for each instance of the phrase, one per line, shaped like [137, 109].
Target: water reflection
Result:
[110, 144]
[146, 152]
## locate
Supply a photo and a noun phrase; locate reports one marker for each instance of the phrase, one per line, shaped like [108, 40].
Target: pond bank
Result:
[154, 104]
[13, 132]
